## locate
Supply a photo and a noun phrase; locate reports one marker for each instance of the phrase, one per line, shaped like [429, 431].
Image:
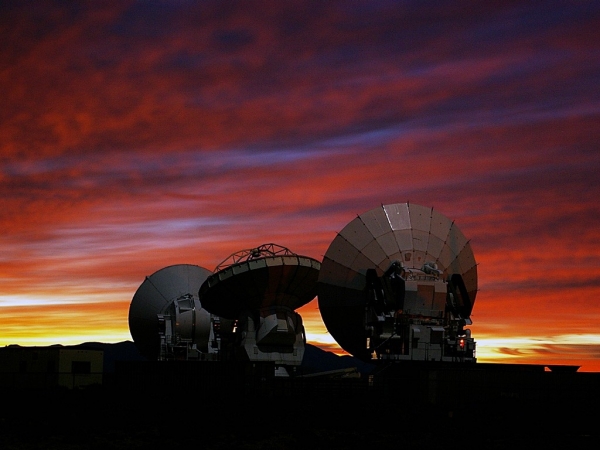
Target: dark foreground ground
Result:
[240, 405]
[180, 418]
[213, 406]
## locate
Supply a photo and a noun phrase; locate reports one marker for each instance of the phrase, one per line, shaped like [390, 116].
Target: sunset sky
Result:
[140, 134]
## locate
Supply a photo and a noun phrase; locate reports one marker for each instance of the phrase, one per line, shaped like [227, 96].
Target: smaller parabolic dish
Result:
[408, 233]
[155, 295]
[264, 277]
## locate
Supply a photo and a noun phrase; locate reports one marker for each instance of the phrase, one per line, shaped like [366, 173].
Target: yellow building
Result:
[50, 367]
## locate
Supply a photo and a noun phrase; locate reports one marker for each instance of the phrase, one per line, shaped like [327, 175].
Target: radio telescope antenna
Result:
[165, 315]
[399, 276]
[261, 288]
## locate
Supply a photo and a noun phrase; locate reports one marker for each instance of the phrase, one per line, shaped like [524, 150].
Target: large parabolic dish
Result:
[155, 295]
[409, 233]
[264, 277]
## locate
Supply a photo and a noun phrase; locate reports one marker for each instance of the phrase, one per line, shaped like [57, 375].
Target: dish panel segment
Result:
[357, 233]
[398, 216]
[376, 222]
[420, 217]
[341, 251]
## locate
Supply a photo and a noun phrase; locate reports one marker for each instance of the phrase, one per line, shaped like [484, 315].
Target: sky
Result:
[135, 135]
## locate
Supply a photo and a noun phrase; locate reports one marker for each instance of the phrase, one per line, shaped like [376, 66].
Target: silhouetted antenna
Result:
[169, 292]
[260, 289]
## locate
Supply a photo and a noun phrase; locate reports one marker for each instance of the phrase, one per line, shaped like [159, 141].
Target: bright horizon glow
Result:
[28, 301]
[548, 349]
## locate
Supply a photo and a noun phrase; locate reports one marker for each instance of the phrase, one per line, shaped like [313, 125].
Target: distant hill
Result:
[315, 359]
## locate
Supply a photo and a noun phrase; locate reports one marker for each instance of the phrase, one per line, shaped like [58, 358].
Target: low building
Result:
[50, 367]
